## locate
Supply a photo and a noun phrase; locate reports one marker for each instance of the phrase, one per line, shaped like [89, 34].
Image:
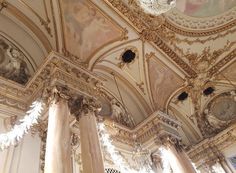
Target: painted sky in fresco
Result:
[205, 8]
[86, 28]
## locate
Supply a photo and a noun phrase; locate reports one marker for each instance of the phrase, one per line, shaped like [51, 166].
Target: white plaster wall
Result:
[30, 155]
[23, 158]
[229, 152]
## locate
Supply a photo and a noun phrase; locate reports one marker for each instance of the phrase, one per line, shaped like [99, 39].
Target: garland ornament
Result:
[117, 158]
[19, 130]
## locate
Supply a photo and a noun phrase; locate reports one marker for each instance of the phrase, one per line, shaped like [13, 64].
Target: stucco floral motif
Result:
[86, 29]
[163, 82]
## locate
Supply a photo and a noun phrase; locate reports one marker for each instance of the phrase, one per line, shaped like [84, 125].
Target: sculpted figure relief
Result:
[120, 115]
[12, 64]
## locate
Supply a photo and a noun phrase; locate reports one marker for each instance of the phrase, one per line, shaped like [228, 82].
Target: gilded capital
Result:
[55, 93]
[83, 106]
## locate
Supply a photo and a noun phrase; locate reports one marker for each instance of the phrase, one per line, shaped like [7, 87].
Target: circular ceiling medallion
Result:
[224, 108]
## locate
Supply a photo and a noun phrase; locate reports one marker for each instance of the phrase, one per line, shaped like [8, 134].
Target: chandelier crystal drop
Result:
[157, 7]
[19, 130]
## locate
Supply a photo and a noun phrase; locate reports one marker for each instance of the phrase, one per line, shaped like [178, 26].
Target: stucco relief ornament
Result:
[120, 115]
[157, 7]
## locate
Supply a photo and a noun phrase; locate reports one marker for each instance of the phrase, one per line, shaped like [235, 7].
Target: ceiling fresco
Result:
[14, 65]
[163, 82]
[86, 28]
[193, 42]
[205, 8]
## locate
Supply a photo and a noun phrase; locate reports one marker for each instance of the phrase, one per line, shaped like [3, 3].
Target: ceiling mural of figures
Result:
[13, 63]
[205, 8]
[86, 28]
[163, 82]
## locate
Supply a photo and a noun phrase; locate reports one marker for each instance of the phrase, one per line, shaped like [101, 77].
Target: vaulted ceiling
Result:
[187, 49]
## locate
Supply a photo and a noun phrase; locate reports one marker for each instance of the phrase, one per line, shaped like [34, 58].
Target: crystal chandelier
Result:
[157, 7]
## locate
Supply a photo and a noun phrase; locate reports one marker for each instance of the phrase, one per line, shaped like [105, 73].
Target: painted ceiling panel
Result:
[87, 29]
[163, 82]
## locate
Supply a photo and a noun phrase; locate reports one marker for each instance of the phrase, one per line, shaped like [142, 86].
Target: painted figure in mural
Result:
[13, 66]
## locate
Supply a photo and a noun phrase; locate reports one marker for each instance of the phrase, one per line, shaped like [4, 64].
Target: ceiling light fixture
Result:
[157, 7]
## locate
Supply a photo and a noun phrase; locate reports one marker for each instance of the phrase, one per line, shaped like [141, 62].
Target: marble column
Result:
[58, 145]
[225, 165]
[156, 164]
[180, 161]
[92, 160]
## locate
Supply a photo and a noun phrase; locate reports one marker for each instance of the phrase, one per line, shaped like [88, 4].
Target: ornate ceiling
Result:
[189, 48]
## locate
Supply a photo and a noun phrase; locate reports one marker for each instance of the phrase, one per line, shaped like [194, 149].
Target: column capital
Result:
[55, 93]
[169, 140]
[83, 106]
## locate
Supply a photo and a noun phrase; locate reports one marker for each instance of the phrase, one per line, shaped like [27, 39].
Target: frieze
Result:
[209, 149]
[158, 124]
[58, 70]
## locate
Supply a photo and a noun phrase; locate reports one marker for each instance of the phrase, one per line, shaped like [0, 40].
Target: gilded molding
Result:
[179, 61]
[158, 125]
[209, 149]
[197, 23]
[151, 31]
[59, 71]
[216, 68]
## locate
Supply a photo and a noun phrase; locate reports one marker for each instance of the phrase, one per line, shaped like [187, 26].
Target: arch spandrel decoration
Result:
[14, 64]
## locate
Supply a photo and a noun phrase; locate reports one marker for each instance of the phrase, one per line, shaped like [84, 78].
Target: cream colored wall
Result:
[229, 152]
[24, 158]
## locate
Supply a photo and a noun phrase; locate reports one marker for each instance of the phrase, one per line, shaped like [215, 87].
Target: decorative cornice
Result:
[156, 125]
[206, 149]
[165, 48]
[216, 68]
[60, 72]
[205, 24]
[197, 33]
